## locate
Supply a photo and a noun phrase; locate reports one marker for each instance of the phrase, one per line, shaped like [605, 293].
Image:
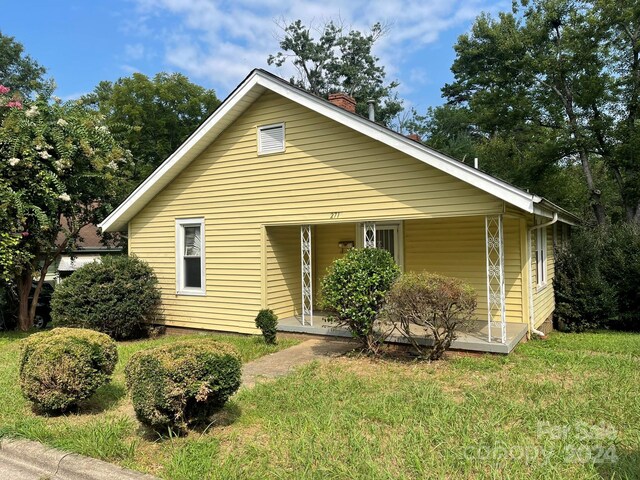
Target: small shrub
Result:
[267, 321]
[177, 385]
[118, 296]
[64, 366]
[435, 304]
[354, 290]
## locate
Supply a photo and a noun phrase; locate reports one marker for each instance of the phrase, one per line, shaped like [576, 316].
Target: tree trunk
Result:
[25, 320]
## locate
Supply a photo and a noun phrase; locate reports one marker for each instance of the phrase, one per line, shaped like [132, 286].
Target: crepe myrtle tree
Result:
[57, 160]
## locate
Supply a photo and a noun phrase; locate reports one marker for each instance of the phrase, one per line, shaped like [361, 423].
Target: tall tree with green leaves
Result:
[339, 60]
[557, 80]
[151, 117]
[57, 160]
[18, 71]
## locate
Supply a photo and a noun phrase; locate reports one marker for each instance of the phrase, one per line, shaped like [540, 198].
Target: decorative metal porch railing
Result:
[496, 309]
[369, 235]
[307, 278]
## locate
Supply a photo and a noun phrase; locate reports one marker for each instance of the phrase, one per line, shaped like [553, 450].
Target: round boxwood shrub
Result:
[64, 366]
[118, 296]
[177, 385]
[354, 290]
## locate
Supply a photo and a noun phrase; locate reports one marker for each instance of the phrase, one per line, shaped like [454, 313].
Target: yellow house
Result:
[250, 211]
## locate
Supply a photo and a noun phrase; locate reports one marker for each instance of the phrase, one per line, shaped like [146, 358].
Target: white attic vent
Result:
[271, 138]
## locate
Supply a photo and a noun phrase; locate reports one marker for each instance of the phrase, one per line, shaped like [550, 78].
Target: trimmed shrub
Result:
[64, 366]
[597, 280]
[354, 290]
[267, 321]
[425, 306]
[177, 385]
[118, 296]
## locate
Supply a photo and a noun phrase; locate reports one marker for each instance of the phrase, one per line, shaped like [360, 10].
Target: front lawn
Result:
[105, 427]
[568, 407]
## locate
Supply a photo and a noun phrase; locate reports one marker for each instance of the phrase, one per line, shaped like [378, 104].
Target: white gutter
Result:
[532, 315]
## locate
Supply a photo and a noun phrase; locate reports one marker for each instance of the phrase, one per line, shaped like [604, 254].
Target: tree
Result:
[553, 79]
[19, 72]
[339, 61]
[151, 117]
[56, 160]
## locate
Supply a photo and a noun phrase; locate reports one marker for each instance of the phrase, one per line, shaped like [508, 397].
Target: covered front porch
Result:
[484, 251]
[472, 338]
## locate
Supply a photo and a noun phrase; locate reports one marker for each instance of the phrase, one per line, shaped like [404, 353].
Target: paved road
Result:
[26, 460]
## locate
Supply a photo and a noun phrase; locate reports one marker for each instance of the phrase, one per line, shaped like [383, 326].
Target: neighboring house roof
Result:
[259, 81]
[89, 239]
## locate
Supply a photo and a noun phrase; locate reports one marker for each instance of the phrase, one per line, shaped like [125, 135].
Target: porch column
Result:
[307, 278]
[496, 308]
[369, 235]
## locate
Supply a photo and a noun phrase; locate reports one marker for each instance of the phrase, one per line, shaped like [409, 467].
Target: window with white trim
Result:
[541, 256]
[190, 265]
[271, 138]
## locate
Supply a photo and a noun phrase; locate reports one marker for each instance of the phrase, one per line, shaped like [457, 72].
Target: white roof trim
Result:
[258, 81]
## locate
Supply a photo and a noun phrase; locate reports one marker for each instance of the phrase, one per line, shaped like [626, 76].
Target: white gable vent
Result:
[271, 138]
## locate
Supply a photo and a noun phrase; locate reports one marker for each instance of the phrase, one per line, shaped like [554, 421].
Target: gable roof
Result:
[259, 81]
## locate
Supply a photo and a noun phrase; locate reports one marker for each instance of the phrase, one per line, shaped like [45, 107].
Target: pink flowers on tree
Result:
[14, 102]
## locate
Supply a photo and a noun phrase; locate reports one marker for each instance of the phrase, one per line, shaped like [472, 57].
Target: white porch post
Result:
[307, 277]
[369, 235]
[496, 308]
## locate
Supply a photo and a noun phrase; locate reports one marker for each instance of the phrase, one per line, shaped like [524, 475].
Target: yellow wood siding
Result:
[327, 171]
[326, 250]
[456, 247]
[284, 287]
[543, 296]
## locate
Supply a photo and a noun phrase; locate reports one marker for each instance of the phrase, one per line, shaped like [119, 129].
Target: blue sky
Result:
[217, 43]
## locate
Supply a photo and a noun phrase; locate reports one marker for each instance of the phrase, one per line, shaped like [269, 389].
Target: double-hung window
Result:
[541, 256]
[190, 265]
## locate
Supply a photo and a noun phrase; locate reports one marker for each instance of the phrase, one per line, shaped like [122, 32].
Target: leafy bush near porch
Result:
[354, 290]
[184, 383]
[118, 296]
[61, 367]
[267, 321]
[597, 280]
[435, 304]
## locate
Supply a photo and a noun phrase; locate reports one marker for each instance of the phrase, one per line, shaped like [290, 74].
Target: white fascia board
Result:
[545, 208]
[118, 219]
[491, 185]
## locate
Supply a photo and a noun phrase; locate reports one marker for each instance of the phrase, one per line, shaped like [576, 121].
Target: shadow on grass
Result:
[625, 465]
[105, 398]
[225, 417]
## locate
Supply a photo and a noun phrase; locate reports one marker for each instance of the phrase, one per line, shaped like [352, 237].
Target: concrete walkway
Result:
[26, 460]
[282, 362]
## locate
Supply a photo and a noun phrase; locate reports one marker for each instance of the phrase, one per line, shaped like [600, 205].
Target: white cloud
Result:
[219, 42]
[134, 51]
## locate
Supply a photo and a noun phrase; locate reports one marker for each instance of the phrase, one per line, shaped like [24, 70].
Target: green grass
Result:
[104, 427]
[531, 415]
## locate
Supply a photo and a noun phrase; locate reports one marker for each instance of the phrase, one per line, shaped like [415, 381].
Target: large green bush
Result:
[118, 296]
[64, 366]
[429, 309]
[597, 279]
[181, 384]
[354, 290]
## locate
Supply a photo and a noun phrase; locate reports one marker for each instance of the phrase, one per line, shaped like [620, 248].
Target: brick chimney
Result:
[414, 136]
[343, 100]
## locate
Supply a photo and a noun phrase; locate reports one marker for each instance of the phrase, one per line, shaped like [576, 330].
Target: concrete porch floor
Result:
[473, 338]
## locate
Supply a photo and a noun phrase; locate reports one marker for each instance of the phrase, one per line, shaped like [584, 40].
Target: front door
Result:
[387, 239]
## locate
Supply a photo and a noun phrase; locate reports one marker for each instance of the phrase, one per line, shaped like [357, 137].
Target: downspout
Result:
[532, 315]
